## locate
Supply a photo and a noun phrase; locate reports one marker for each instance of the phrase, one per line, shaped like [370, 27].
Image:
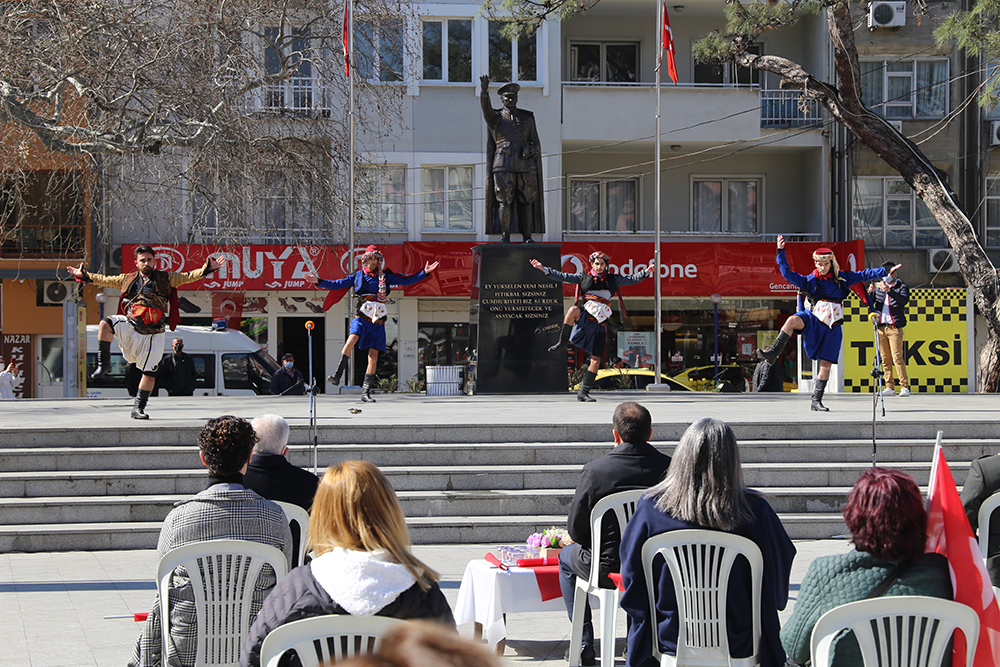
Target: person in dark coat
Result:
[768, 378]
[287, 380]
[704, 489]
[632, 464]
[982, 482]
[363, 564]
[177, 371]
[270, 474]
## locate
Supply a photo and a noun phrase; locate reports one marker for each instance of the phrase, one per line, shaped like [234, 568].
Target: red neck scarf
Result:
[827, 276]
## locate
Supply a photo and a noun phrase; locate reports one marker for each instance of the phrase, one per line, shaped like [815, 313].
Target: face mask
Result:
[289, 364]
[178, 348]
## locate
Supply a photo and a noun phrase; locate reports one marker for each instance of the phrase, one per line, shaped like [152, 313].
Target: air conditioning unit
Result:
[941, 260]
[115, 261]
[54, 292]
[886, 15]
[995, 133]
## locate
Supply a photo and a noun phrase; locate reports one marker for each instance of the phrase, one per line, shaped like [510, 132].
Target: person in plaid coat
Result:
[225, 510]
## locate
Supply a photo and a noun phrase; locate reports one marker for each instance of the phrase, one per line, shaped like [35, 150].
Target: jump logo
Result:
[934, 342]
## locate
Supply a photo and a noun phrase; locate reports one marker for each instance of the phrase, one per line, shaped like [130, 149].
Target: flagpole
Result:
[350, 163]
[658, 306]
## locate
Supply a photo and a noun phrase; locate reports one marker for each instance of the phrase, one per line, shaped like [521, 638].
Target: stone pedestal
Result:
[516, 313]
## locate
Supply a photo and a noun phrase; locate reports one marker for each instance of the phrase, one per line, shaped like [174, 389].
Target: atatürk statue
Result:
[514, 166]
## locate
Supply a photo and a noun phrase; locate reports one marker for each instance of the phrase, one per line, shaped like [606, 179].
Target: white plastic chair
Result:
[623, 505]
[699, 562]
[326, 639]
[223, 576]
[297, 515]
[985, 512]
[910, 630]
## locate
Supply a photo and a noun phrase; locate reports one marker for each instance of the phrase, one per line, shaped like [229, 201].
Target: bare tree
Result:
[203, 120]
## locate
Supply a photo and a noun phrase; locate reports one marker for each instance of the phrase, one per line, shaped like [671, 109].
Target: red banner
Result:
[733, 270]
[20, 349]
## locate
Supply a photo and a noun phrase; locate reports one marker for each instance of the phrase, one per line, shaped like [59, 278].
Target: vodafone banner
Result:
[732, 270]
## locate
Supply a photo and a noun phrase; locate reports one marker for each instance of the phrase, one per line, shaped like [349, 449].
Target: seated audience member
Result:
[982, 482]
[632, 464]
[226, 510]
[704, 489]
[423, 644]
[888, 525]
[363, 564]
[270, 474]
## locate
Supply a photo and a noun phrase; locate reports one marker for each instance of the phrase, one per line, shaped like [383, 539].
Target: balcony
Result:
[689, 113]
[297, 95]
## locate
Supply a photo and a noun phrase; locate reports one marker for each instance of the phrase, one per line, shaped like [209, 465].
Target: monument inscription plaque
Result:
[515, 315]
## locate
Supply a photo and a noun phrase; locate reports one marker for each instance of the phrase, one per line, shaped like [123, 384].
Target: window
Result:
[382, 197]
[447, 50]
[726, 205]
[447, 198]
[905, 88]
[41, 215]
[888, 214]
[296, 92]
[992, 77]
[507, 58]
[610, 62]
[728, 74]
[378, 49]
[993, 212]
[603, 205]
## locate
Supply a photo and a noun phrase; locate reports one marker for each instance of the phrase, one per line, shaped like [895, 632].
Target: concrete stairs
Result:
[68, 490]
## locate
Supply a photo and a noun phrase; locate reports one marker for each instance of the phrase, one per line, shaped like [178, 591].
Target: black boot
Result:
[140, 404]
[817, 403]
[366, 388]
[344, 362]
[770, 354]
[585, 384]
[563, 338]
[103, 359]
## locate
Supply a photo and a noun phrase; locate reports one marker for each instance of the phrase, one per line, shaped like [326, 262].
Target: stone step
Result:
[423, 530]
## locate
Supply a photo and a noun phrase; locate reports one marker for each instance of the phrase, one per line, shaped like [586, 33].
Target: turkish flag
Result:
[668, 45]
[949, 534]
[347, 37]
[228, 306]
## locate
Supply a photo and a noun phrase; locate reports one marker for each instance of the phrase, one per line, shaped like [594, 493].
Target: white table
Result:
[488, 593]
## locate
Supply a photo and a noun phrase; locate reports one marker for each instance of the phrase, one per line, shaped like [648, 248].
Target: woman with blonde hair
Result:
[362, 562]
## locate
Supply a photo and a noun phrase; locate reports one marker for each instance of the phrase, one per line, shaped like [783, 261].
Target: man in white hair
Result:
[269, 473]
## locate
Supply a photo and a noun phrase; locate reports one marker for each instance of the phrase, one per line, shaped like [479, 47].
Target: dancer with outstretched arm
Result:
[820, 319]
[371, 287]
[587, 328]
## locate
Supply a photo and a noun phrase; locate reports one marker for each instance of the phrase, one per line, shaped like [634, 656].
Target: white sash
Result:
[374, 310]
[599, 311]
[829, 313]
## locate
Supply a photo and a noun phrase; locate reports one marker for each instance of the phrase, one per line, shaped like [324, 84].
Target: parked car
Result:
[226, 363]
[631, 378]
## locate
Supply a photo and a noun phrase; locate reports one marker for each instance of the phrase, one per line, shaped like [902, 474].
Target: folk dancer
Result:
[589, 331]
[820, 320]
[371, 287]
[146, 296]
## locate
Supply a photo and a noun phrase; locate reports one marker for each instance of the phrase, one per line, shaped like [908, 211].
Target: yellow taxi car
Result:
[623, 379]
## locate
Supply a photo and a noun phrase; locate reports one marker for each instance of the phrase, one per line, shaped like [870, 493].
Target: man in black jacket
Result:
[982, 482]
[177, 371]
[888, 298]
[287, 380]
[632, 464]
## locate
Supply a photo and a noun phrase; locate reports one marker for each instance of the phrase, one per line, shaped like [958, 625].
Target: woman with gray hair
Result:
[704, 489]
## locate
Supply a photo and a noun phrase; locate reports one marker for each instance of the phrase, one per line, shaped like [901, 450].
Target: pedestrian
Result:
[589, 332]
[287, 380]
[888, 298]
[145, 301]
[7, 377]
[372, 285]
[819, 320]
[178, 373]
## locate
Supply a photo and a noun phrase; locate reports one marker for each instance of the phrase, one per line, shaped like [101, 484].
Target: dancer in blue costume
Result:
[820, 319]
[371, 286]
[587, 329]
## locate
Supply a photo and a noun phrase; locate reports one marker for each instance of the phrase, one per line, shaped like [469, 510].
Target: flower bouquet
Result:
[550, 541]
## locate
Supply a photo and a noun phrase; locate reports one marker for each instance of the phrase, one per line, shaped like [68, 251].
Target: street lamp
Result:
[716, 299]
[101, 298]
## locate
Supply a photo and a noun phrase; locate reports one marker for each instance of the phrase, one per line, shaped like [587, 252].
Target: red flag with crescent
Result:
[668, 46]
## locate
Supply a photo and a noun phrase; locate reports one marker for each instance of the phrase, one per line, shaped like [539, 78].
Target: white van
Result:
[226, 362]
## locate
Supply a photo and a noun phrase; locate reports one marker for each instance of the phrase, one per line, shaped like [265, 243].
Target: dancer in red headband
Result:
[371, 287]
[819, 320]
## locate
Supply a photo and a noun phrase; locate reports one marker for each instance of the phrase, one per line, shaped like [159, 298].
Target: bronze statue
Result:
[514, 166]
